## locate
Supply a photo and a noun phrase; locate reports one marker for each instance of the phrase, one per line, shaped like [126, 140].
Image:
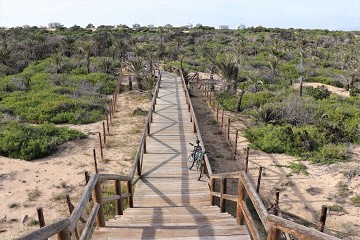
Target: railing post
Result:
[119, 205]
[41, 218]
[228, 130]
[138, 166]
[236, 143]
[129, 190]
[203, 166]
[100, 218]
[241, 197]
[144, 145]
[247, 160]
[212, 187]
[323, 218]
[222, 192]
[64, 235]
[259, 180]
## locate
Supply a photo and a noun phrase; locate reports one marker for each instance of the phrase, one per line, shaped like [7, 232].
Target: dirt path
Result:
[45, 182]
[301, 194]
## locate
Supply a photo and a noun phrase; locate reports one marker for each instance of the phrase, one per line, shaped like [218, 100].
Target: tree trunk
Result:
[236, 78]
[87, 58]
[238, 102]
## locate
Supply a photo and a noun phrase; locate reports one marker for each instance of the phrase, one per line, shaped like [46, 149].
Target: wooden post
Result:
[104, 133]
[228, 130]
[323, 218]
[95, 162]
[97, 195]
[222, 120]
[222, 192]
[212, 187]
[111, 107]
[129, 190]
[138, 166]
[114, 104]
[119, 206]
[41, 218]
[87, 176]
[259, 180]
[101, 148]
[236, 142]
[107, 123]
[110, 110]
[277, 196]
[203, 166]
[71, 209]
[241, 197]
[64, 235]
[247, 160]
[217, 113]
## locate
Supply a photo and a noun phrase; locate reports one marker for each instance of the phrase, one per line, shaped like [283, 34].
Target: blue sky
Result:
[325, 14]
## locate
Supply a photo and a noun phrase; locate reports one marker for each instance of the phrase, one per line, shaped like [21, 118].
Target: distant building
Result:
[189, 26]
[168, 26]
[136, 26]
[223, 27]
[241, 26]
[54, 25]
[151, 26]
[198, 25]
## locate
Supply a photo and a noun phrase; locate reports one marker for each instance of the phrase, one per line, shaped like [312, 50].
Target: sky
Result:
[306, 14]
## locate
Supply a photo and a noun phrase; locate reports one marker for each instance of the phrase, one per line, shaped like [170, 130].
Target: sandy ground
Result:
[45, 182]
[336, 90]
[301, 195]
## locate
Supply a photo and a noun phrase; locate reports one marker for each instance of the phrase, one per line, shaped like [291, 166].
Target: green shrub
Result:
[320, 92]
[356, 200]
[30, 142]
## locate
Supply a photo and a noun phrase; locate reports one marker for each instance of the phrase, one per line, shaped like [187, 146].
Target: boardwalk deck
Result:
[168, 202]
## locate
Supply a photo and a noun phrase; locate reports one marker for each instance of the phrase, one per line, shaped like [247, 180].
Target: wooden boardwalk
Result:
[168, 202]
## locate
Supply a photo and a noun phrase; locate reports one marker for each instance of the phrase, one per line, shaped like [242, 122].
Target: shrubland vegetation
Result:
[63, 76]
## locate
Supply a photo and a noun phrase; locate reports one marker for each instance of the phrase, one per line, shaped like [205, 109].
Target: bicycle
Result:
[196, 157]
[192, 156]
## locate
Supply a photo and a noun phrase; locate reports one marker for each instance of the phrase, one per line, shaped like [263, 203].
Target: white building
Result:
[136, 26]
[54, 25]
[198, 25]
[241, 26]
[222, 27]
[189, 26]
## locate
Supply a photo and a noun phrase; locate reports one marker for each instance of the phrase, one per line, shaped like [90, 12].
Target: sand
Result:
[26, 185]
[301, 195]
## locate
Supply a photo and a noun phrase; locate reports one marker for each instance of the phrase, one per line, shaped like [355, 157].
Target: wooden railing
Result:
[138, 160]
[272, 224]
[195, 125]
[92, 193]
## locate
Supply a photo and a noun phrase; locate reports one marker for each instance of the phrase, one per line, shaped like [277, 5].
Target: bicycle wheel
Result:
[190, 161]
[198, 169]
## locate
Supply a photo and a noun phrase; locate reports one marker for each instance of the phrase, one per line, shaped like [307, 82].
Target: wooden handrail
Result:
[79, 209]
[194, 120]
[63, 227]
[47, 231]
[269, 221]
[140, 150]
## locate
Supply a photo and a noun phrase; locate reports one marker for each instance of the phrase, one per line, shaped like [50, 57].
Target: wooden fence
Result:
[63, 229]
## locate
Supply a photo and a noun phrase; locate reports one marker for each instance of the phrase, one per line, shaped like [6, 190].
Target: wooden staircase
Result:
[168, 202]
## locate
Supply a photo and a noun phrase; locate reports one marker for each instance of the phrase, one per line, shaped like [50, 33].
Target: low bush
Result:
[30, 142]
[318, 92]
